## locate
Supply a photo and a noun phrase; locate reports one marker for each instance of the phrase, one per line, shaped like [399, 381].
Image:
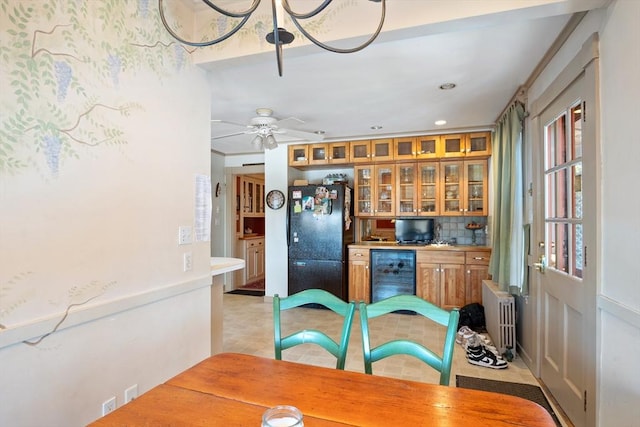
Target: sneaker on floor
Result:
[478, 355]
[464, 334]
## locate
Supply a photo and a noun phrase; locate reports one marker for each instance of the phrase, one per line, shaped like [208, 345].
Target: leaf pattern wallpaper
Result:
[61, 62]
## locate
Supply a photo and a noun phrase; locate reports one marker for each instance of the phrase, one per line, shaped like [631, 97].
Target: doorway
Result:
[565, 242]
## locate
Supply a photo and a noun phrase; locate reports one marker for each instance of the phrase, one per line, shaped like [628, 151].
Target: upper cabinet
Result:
[417, 147]
[417, 189]
[299, 155]
[427, 147]
[476, 144]
[250, 195]
[375, 190]
[464, 188]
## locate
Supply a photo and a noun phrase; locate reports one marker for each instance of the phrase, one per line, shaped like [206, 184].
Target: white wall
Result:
[93, 296]
[619, 290]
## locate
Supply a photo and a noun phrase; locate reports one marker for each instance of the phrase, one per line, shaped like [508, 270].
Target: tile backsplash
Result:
[450, 227]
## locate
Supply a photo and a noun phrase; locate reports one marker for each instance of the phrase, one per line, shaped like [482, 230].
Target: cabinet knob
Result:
[478, 257]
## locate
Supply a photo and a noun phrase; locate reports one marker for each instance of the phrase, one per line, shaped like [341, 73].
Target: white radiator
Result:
[500, 316]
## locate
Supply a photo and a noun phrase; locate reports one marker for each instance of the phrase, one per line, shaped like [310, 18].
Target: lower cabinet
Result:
[359, 282]
[252, 251]
[440, 278]
[477, 266]
[447, 278]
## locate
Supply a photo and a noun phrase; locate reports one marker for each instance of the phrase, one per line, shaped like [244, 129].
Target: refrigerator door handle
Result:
[287, 224]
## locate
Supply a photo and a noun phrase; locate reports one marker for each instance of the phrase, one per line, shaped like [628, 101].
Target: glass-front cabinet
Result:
[385, 190]
[427, 147]
[451, 193]
[363, 183]
[476, 187]
[374, 188]
[360, 151]
[476, 144]
[299, 155]
[404, 148]
[329, 153]
[406, 189]
[417, 189]
[454, 145]
[339, 153]
[464, 188]
[429, 176]
[381, 149]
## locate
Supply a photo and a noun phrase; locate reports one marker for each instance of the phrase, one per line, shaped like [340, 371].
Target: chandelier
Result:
[279, 36]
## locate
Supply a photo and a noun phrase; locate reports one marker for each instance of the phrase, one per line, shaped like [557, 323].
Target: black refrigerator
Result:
[319, 228]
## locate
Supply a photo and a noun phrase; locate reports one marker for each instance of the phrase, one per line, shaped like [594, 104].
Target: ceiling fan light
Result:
[257, 142]
[271, 142]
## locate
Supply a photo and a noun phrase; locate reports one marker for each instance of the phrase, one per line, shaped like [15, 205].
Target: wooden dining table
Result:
[233, 389]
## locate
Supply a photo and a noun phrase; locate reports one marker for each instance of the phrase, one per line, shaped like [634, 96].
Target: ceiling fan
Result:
[265, 127]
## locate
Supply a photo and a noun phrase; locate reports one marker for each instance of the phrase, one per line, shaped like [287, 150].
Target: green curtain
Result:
[507, 231]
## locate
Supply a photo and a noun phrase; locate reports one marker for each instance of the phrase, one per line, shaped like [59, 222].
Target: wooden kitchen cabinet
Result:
[359, 286]
[299, 155]
[464, 188]
[374, 190]
[360, 151]
[477, 144]
[440, 278]
[404, 148]
[417, 189]
[252, 251]
[428, 146]
[477, 270]
[328, 153]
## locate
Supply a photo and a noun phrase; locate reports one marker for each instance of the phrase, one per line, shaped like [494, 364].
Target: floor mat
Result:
[251, 292]
[526, 391]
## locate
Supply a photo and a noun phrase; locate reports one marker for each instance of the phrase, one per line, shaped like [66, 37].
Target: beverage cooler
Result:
[393, 272]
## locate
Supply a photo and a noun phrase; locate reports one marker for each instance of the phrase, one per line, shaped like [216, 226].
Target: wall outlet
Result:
[187, 261]
[185, 235]
[130, 393]
[108, 406]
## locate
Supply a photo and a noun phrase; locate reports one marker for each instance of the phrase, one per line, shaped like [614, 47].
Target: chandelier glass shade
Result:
[278, 36]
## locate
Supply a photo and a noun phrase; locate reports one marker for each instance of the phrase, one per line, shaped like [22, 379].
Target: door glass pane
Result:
[563, 186]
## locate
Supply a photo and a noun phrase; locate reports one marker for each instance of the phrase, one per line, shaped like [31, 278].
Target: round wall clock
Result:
[275, 199]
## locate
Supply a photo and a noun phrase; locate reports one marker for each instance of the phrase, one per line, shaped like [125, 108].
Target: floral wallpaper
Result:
[57, 57]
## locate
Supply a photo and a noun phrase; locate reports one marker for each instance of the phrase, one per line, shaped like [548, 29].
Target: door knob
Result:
[542, 264]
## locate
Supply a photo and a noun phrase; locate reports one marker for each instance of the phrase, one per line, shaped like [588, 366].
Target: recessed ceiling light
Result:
[447, 86]
[319, 132]
[377, 127]
[440, 122]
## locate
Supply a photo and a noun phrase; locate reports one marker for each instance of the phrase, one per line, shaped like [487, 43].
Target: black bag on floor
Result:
[472, 316]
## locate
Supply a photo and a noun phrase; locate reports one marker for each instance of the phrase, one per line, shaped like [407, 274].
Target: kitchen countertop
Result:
[394, 245]
[251, 236]
[221, 265]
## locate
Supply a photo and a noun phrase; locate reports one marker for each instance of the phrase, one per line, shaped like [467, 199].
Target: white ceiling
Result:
[392, 83]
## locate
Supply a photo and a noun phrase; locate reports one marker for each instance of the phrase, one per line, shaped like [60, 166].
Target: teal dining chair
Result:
[414, 304]
[315, 297]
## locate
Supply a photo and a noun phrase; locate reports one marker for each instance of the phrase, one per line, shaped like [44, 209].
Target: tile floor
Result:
[248, 328]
